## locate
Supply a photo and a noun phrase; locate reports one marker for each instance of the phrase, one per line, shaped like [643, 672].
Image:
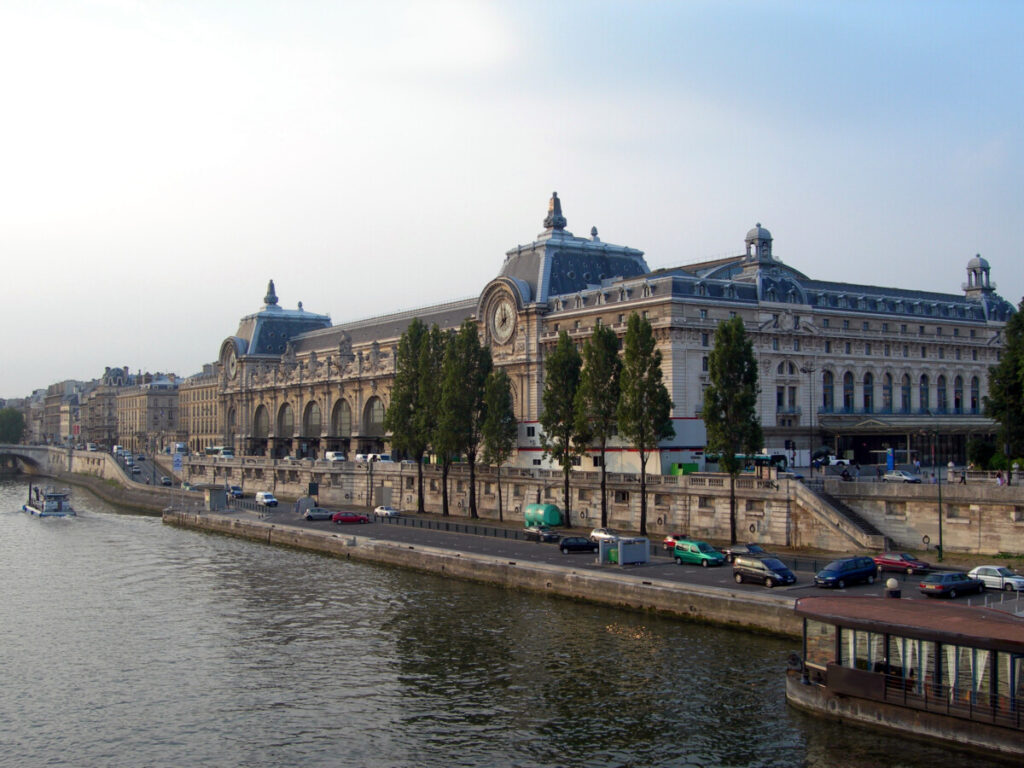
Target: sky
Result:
[161, 161]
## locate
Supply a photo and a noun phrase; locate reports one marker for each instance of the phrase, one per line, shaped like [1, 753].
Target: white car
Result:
[265, 499]
[998, 577]
[900, 476]
[386, 510]
[603, 534]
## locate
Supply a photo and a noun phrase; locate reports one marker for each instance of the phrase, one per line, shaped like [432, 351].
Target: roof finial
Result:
[555, 219]
[271, 298]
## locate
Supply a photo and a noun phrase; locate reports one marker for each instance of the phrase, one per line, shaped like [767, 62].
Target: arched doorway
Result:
[372, 437]
[260, 431]
[340, 435]
[285, 431]
[312, 425]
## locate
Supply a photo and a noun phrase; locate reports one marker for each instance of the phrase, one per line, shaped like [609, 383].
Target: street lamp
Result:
[809, 370]
[938, 483]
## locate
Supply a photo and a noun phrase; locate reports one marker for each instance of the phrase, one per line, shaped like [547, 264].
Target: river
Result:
[129, 643]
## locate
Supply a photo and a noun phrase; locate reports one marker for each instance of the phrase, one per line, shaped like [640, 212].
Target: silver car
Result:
[901, 476]
[998, 577]
[385, 510]
[603, 534]
[318, 513]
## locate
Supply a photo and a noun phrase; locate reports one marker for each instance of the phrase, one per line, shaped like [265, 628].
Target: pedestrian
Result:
[917, 466]
[933, 480]
[999, 478]
[856, 471]
[963, 477]
[878, 472]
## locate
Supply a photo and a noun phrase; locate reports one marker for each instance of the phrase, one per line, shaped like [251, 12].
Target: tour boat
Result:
[48, 502]
[941, 672]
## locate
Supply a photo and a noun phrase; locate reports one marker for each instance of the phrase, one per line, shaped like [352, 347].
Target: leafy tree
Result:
[1005, 400]
[466, 367]
[645, 408]
[597, 398]
[410, 429]
[500, 427]
[980, 452]
[12, 425]
[558, 417]
[730, 404]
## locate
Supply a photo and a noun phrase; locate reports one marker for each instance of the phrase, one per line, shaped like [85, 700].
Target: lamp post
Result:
[938, 479]
[809, 370]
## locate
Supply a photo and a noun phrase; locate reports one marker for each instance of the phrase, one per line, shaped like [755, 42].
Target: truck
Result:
[542, 515]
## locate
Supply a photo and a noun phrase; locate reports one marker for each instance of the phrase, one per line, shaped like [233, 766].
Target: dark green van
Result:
[697, 553]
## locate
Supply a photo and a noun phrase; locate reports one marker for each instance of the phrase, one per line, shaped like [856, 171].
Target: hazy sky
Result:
[160, 161]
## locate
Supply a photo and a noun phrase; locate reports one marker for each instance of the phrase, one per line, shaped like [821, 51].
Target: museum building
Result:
[857, 368]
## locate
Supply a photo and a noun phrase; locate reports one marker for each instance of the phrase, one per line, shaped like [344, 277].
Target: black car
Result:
[766, 569]
[950, 583]
[849, 570]
[731, 553]
[165, 480]
[540, 533]
[577, 544]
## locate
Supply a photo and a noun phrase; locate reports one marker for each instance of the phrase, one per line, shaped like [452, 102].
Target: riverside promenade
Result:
[639, 588]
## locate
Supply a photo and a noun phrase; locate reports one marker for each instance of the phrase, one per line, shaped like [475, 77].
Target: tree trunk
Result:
[732, 509]
[565, 496]
[501, 519]
[471, 458]
[445, 466]
[604, 497]
[419, 484]
[643, 493]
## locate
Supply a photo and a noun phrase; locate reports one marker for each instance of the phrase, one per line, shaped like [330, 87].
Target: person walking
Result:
[963, 477]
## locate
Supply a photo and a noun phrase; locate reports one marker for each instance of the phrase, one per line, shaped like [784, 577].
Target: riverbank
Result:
[759, 612]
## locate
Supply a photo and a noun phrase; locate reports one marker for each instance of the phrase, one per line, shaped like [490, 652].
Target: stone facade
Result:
[859, 368]
[147, 414]
[198, 414]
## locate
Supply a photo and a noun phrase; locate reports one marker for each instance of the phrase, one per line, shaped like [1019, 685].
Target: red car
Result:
[669, 542]
[900, 561]
[349, 517]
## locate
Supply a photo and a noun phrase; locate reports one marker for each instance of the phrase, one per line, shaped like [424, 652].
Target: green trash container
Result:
[613, 555]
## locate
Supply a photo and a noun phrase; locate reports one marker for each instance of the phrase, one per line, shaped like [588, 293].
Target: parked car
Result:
[838, 462]
[140, 457]
[900, 561]
[765, 569]
[386, 510]
[577, 544]
[603, 534]
[266, 499]
[235, 492]
[349, 517]
[846, 571]
[540, 533]
[165, 480]
[731, 553]
[318, 513]
[669, 542]
[136, 470]
[697, 553]
[950, 584]
[187, 486]
[998, 577]
[900, 476]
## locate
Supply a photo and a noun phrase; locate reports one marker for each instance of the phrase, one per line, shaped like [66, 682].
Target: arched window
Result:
[373, 417]
[887, 393]
[975, 394]
[869, 393]
[925, 394]
[940, 392]
[341, 419]
[311, 420]
[827, 392]
[261, 423]
[848, 392]
[232, 421]
[285, 422]
[958, 394]
[905, 394]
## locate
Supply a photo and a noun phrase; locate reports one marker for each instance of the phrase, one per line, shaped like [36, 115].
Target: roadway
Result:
[491, 540]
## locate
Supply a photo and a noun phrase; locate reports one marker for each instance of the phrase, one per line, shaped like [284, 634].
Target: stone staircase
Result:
[840, 517]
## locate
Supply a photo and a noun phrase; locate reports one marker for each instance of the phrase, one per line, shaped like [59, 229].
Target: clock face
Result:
[232, 364]
[503, 320]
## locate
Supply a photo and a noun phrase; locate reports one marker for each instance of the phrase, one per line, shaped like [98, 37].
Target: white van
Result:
[381, 457]
[265, 499]
[334, 456]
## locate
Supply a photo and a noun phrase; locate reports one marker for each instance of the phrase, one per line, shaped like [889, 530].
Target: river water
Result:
[129, 643]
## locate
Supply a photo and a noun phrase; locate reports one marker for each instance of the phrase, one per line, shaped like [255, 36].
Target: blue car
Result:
[843, 573]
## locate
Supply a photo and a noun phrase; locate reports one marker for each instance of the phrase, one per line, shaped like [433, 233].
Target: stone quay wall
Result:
[763, 612]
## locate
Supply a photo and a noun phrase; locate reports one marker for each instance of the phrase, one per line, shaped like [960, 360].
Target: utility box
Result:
[542, 514]
[216, 499]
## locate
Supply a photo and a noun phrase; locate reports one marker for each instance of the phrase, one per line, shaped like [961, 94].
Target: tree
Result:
[12, 425]
[500, 427]
[466, 367]
[730, 404]
[1005, 400]
[410, 430]
[558, 417]
[645, 408]
[597, 398]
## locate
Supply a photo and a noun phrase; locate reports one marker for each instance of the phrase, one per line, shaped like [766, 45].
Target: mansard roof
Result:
[559, 263]
[268, 331]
